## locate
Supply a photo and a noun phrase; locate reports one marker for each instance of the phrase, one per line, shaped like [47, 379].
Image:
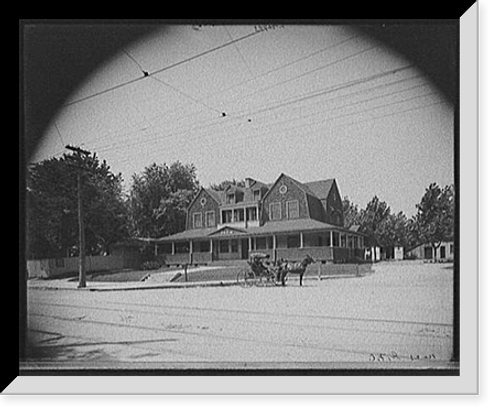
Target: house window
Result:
[292, 209]
[210, 219]
[224, 246]
[239, 215]
[231, 198]
[234, 246]
[256, 194]
[227, 216]
[260, 243]
[443, 252]
[252, 214]
[197, 220]
[343, 240]
[451, 248]
[182, 247]
[293, 241]
[275, 211]
[204, 246]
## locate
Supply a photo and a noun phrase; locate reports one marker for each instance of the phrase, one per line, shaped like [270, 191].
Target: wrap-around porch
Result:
[336, 246]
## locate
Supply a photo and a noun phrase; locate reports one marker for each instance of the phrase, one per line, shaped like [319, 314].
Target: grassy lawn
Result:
[197, 274]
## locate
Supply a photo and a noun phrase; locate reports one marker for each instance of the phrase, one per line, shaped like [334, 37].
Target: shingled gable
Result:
[303, 187]
[201, 190]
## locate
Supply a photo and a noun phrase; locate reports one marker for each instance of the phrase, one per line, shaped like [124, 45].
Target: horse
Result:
[299, 268]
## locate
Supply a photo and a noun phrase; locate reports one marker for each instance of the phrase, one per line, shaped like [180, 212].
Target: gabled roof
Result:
[217, 195]
[320, 188]
[316, 189]
[228, 230]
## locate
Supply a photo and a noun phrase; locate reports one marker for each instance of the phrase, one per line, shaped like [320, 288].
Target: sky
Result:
[314, 102]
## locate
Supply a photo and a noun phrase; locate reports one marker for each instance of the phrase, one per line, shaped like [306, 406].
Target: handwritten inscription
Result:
[256, 28]
[394, 356]
[265, 28]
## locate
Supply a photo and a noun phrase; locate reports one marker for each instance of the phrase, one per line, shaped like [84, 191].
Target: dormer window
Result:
[256, 195]
[231, 198]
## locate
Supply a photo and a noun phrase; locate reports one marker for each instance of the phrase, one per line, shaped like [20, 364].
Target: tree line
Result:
[157, 201]
[433, 223]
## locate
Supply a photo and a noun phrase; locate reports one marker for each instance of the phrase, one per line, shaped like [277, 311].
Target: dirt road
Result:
[400, 313]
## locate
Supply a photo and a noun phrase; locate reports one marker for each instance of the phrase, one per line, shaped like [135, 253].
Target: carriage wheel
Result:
[244, 278]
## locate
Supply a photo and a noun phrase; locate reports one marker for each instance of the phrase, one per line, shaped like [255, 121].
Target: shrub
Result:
[151, 265]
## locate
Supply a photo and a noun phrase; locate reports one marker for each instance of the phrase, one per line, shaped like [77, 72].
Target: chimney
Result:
[249, 182]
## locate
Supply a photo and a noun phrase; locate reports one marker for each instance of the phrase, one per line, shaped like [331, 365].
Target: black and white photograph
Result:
[264, 198]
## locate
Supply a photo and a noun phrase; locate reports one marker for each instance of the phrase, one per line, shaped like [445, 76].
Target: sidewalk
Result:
[69, 284]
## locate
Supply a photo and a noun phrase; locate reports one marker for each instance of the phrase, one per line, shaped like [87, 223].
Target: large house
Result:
[287, 219]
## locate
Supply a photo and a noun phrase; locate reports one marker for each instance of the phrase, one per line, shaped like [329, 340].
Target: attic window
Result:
[231, 198]
[282, 189]
[292, 209]
[197, 220]
[256, 194]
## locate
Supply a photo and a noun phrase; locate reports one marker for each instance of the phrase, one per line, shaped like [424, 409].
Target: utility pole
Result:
[82, 280]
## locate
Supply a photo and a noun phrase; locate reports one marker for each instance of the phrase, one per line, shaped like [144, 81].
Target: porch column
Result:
[156, 249]
[331, 247]
[249, 243]
[275, 247]
[211, 246]
[173, 247]
[190, 251]
[301, 240]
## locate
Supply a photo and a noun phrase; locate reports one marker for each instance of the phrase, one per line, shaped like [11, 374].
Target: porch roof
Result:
[195, 234]
[274, 227]
[299, 225]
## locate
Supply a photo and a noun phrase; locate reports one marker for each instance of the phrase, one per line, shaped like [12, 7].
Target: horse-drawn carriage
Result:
[263, 272]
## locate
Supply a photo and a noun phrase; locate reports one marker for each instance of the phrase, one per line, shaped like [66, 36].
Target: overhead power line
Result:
[158, 71]
[136, 62]
[294, 127]
[196, 100]
[201, 101]
[280, 67]
[244, 115]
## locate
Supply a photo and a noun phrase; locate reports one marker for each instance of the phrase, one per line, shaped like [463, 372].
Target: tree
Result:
[159, 198]
[222, 186]
[351, 213]
[372, 221]
[436, 216]
[52, 226]
[393, 231]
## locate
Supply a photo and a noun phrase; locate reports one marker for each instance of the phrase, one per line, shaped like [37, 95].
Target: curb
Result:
[179, 285]
[148, 287]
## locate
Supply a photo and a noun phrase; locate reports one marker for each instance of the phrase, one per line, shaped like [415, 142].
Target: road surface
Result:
[402, 313]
